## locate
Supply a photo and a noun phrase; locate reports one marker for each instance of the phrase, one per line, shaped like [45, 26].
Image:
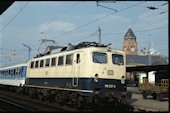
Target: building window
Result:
[69, 59]
[61, 60]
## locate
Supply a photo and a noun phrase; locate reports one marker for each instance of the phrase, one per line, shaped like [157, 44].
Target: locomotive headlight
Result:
[96, 77]
[123, 80]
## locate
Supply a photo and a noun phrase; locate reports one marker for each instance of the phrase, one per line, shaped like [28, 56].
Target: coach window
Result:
[42, 63]
[6, 72]
[20, 71]
[47, 63]
[36, 64]
[17, 72]
[53, 61]
[9, 72]
[99, 57]
[32, 64]
[60, 60]
[14, 71]
[69, 59]
[117, 59]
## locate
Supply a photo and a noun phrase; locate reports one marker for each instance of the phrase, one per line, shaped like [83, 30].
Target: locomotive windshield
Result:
[117, 59]
[99, 57]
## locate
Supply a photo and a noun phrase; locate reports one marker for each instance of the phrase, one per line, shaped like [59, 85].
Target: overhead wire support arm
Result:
[29, 50]
[106, 7]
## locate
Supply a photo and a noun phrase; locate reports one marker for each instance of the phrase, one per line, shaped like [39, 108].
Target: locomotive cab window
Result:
[117, 59]
[69, 59]
[99, 57]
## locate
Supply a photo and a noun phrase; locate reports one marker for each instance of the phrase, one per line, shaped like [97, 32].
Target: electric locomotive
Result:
[84, 73]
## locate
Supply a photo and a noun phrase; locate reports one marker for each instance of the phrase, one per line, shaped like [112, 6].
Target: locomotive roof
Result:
[103, 49]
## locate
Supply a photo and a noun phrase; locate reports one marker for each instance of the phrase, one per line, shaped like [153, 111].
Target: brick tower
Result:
[130, 46]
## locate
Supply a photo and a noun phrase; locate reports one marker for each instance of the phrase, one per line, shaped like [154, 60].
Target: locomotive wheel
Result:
[154, 95]
[159, 97]
[80, 102]
[96, 100]
[145, 94]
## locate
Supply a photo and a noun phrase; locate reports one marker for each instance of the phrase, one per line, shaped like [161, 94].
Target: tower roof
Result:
[130, 34]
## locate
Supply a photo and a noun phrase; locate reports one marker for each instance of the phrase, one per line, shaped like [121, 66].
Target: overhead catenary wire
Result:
[14, 17]
[92, 22]
[84, 38]
[51, 20]
[95, 20]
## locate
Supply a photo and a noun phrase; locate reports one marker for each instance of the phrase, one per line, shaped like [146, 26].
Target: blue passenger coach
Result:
[13, 75]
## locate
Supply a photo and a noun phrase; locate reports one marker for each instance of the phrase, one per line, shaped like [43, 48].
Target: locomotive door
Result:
[77, 60]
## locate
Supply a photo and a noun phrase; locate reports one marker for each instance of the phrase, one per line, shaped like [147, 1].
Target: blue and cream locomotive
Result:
[84, 73]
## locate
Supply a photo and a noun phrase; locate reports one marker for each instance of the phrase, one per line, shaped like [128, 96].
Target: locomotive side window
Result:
[47, 63]
[42, 63]
[36, 64]
[117, 59]
[99, 57]
[78, 58]
[53, 62]
[61, 60]
[32, 64]
[69, 59]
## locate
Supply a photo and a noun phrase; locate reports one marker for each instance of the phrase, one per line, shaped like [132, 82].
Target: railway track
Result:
[23, 99]
[33, 104]
[5, 105]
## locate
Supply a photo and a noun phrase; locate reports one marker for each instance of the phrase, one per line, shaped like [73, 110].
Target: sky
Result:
[28, 22]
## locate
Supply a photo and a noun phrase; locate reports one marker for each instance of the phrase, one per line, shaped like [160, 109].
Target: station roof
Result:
[147, 68]
[5, 4]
